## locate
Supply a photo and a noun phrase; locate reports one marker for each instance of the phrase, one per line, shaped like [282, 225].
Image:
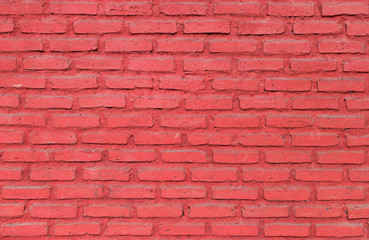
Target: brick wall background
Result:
[183, 120]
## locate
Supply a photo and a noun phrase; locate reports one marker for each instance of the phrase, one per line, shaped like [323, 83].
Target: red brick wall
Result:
[200, 120]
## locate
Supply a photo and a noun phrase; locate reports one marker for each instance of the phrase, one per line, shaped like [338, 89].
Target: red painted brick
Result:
[89, 8]
[344, 8]
[210, 26]
[235, 229]
[97, 27]
[153, 27]
[127, 8]
[291, 9]
[237, 8]
[287, 230]
[261, 27]
[339, 230]
[317, 27]
[183, 8]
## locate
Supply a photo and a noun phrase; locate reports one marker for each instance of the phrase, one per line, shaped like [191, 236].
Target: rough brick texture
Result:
[184, 119]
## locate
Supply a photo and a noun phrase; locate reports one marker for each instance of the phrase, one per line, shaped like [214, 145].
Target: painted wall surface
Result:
[184, 120]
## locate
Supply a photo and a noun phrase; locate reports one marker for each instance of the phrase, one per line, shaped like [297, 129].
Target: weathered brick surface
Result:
[184, 119]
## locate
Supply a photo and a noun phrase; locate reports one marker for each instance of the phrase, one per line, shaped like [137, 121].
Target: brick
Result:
[235, 229]
[22, 119]
[357, 212]
[261, 27]
[44, 62]
[212, 211]
[108, 101]
[78, 191]
[287, 84]
[232, 46]
[236, 121]
[117, 82]
[291, 193]
[182, 192]
[356, 65]
[357, 103]
[318, 211]
[182, 229]
[106, 173]
[317, 27]
[265, 175]
[263, 102]
[44, 26]
[214, 174]
[187, 83]
[10, 173]
[336, 46]
[265, 211]
[144, 64]
[289, 121]
[132, 192]
[152, 27]
[184, 155]
[291, 9]
[237, 8]
[287, 230]
[159, 211]
[77, 228]
[77, 156]
[127, 8]
[359, 175]
[24, 155]
[73, 44]
[341, 85]
[208, 102]
[7, 100]
[344, 8]
[129, 229]
[287, 47]
[184, 121]
[21, 7]
[75, 121]
[177, 45]
[106, 137]
[210, 139]
[157, 138]
[99, 63]
[235, 156]
[20, 45]
[128, 45]
[229, 83]
[11, 210]
[29, 229]
[47, 102]
[338, 230]
[88, 8]
[53, 210]
[8, 64]
[260, 64]
[25, 192]
[340, 121]
[341, 157]
[314, 140]
[315, 103]
[339, 193]
[357, 28]
[106, 210]
[235, 193]
[261, 140]
[133, 155]
[318, 175]
[161, 174]
[52, 173]
[353, 141]
[313, 65]
[11, 136]
[6, 26]
[97, 27]
[207, 65]
[210, 27]
[52, 137]
[182, 8]
[130, 120]
[73, 82]
[287, 156]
